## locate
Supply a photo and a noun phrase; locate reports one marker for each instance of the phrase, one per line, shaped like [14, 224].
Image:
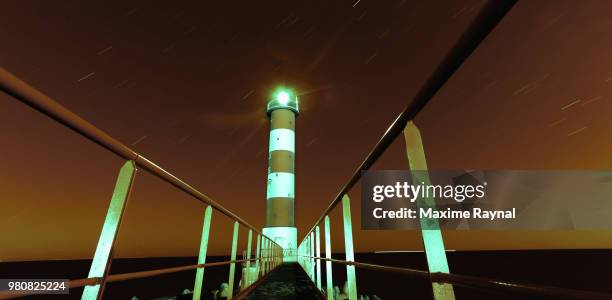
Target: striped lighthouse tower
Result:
[280, 225]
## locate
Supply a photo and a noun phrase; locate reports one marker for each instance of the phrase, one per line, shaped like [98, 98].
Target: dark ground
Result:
[578, 269]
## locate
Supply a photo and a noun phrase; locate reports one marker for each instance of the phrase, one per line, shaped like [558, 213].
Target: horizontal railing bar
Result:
[407, 271]
[478, 282]
[22, 91]
[480, 27]
[157, 272]
[75, 283]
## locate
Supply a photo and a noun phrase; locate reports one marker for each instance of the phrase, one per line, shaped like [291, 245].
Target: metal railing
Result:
[268, 254]
[309, 249]
[475, 282]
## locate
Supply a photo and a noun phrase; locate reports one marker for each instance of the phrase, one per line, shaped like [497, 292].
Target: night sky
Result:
[185, 84]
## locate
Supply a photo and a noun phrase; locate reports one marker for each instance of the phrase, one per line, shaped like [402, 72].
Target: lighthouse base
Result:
[286, 237]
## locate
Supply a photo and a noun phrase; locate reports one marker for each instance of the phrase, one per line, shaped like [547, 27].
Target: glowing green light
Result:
[283, 97]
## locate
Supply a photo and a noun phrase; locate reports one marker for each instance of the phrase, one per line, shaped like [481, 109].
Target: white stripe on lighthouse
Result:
[280, 185]
[282, 139]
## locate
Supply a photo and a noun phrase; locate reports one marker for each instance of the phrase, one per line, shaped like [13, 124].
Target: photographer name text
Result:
[430, 213]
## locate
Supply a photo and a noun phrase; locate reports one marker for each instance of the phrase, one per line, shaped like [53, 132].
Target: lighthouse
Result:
[279, 226]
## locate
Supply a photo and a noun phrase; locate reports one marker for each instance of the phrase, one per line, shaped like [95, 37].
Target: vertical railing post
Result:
[104, 251]
[430, 228]
[306, 254]
[312, 253]
[318, 254]
[197, 288]
[258, 257]
[268, 256]
[247, 276]
[230, 292]
[272, 257]
[308, 260]
[264, 254]
[275, 256]
[348, 247]
[328, 265]
[262, 264]
[300, 253]
[305, 251]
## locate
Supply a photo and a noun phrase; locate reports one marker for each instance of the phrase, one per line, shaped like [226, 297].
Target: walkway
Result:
[287, 281]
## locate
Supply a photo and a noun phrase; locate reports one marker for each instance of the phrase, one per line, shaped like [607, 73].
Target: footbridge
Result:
[271, 267]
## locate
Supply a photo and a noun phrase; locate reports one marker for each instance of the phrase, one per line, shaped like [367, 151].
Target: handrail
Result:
[267, 250]
[17, 88]
[76, 283]
[480, 27]
[477, 282]
[492, 13]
